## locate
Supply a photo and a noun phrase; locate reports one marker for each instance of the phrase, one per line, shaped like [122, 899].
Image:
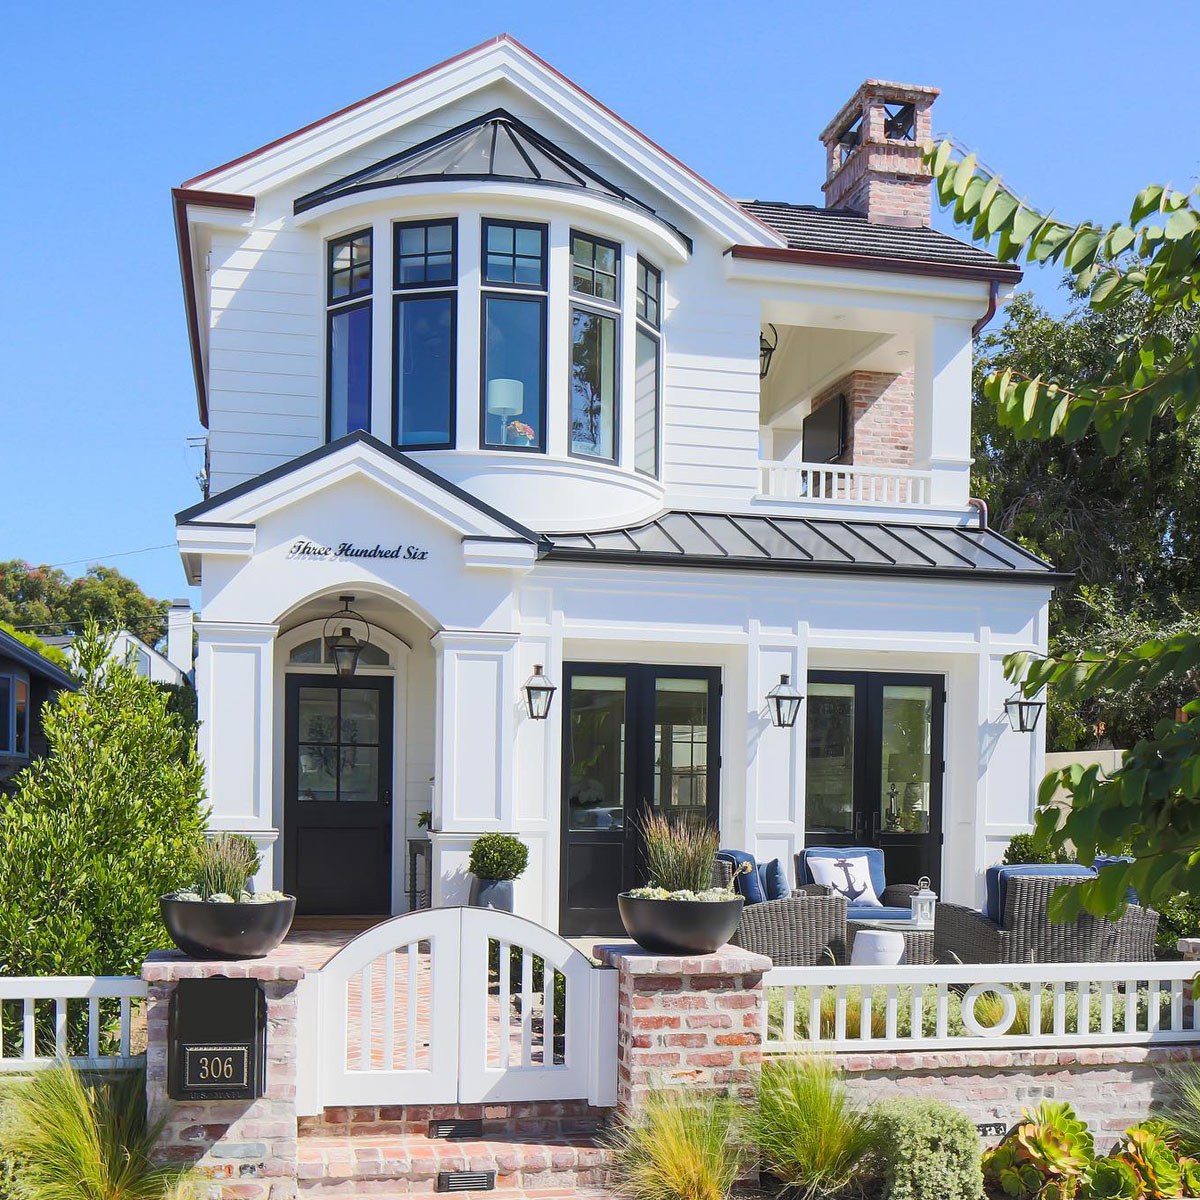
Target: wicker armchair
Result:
[800, 931]
[1027, 934]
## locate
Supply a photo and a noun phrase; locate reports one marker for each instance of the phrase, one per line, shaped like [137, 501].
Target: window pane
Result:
[307, 652]
[21, 740]
[596, 753]
[424, 254]
[529, 241]
[681, 749]
[515, 255]
[424, 370]
[6, 714]
[316, 772]
[318, 714]
[514, 371]
[500, 238]
[645, 405]
[649, 287]
[593, 383]
[438, 238]
[350, 267]
[829, 801]
[529, 270]
[372, 656]
[359, 778]
[349, 370]
[360, 716]
[905, 794]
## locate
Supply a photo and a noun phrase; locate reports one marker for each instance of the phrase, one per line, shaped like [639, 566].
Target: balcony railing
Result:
[829, 483]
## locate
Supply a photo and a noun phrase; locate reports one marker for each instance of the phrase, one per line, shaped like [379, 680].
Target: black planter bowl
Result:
[680, 926]
[207, 929]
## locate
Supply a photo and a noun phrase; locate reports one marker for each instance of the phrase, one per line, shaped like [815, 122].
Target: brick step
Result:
[529, 1121]
[405, 1165]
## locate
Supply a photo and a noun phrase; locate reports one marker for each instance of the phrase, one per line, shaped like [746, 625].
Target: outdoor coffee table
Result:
[918, 939]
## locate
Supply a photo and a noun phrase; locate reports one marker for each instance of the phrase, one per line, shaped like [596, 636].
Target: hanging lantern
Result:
[1023, 714]
[923, 901]
[765, 350]
[345, 649]
[783, 700]
[539, 691]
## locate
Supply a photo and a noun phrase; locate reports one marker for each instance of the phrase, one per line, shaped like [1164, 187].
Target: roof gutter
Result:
[181, 198]
[874, 262]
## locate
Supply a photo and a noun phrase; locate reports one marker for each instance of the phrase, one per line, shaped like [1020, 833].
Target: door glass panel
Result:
[906, 774]
[830, 775]
[317, 772]
[318, 714]
[596, 753]
[360, 716]
[359, 778]
[681, 749]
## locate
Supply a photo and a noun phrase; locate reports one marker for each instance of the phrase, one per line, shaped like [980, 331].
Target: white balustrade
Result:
[830, 483]
[86, 1019]
[873, 1009]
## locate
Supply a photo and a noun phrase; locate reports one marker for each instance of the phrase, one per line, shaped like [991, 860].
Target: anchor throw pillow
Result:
[849, 877]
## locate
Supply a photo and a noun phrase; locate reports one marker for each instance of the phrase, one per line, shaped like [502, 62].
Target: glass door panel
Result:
[681, 730]
[829, 787]
[595, 765]
[905, 793]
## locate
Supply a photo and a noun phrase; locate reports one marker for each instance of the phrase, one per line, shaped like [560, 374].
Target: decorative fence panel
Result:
[86, 1019]
[982, 1007]
[834, 484]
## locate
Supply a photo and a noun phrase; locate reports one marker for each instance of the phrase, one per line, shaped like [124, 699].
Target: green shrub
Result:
[72, 1140]
[225, 863]
[679, 854]
[95, 832]
[928, 1151]
[1178, 917]
[498, 856]
[808, 1133]
[1022, 849]
[679, 1147]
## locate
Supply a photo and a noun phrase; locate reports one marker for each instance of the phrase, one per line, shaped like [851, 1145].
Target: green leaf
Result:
[1148, 200]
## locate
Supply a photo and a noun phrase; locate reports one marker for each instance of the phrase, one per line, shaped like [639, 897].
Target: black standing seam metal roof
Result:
[775, 542]
[847, 231]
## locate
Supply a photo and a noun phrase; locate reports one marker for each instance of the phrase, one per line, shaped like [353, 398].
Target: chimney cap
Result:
[884, 89]
[181, 603]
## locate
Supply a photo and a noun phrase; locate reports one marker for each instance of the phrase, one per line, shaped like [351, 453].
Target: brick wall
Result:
[879, 417]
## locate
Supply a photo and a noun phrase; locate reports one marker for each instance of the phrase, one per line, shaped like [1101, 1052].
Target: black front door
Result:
[636, 739]
[337, 855]
[874, 770]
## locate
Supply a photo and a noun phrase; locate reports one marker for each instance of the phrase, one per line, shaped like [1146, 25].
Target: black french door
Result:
[337, 811]
[636, 740]
[875, 767]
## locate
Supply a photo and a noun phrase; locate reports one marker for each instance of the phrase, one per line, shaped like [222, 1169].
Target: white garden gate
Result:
[457, 1005]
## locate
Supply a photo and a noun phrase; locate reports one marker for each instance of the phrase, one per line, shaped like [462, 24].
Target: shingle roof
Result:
[845, 231]
[35, 663]
[806, 544]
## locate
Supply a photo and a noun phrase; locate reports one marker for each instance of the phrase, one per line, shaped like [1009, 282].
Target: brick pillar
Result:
[687, 1022]
[247, 1148]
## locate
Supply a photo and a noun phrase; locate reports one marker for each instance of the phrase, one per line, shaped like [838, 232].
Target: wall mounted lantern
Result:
[765, 350]
[783, 700]
[1023, 714]
[539, 691]
[345, 648]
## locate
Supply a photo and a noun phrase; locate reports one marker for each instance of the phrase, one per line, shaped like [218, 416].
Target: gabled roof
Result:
[33, 662]
[758, 542]
[495, 146]
[846, 232]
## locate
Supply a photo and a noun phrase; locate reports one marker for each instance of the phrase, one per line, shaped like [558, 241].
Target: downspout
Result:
[990, 311]
[980, 506]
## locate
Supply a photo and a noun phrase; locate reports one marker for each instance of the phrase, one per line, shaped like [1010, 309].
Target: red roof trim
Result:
[872, 262]
[494, 41]
[180, 199]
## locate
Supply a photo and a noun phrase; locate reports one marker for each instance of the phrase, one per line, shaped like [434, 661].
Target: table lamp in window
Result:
[506, 400]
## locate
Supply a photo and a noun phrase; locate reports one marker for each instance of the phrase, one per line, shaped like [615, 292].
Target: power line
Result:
[119, 554]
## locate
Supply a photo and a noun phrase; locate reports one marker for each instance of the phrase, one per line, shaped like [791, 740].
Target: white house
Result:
[172, 667]
[486, 367]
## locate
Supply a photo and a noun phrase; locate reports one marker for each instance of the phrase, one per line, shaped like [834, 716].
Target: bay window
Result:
[648, 369]
[595, 347]
[423, 334]
[348, 335]
[513, 336]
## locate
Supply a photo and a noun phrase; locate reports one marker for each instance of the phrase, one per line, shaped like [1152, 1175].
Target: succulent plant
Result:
[1148, 1151]
[1113, 1179]
[1048, 1153]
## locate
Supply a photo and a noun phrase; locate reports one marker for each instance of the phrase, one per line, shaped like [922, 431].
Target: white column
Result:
[476, 713]
[235, 693]
[942, 408]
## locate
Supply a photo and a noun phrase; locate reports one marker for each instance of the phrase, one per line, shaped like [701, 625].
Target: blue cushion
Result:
[773, 879]
[877, 912]
[748, 884]
[998, 877]
[1102, 860]
[873, 854]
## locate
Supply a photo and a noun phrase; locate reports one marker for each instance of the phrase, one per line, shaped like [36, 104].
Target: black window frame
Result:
[330, 314]
[596, 240]
[487, 284]
[403, 297]
[331, 246]
[640, 292]
[614, 315]
[522, 295]
[8, 716]
[425, 285]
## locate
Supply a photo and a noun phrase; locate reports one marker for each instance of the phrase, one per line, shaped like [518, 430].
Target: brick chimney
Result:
[873, 154]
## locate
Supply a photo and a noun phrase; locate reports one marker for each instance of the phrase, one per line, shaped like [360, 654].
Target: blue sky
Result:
[110, 105]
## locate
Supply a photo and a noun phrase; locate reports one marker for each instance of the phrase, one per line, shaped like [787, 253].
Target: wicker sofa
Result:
[802, 930]
[1024, 932]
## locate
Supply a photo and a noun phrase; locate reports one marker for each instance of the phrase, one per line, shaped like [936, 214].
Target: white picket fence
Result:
[86, 1019]
[826, 483]
[978, 1007]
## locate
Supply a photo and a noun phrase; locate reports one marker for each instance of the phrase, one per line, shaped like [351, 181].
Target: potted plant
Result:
[219, 916]
[680, 912]
[496, 860]
[424, 819]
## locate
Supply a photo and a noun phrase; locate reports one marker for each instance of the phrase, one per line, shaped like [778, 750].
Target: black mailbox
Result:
[217, 1040]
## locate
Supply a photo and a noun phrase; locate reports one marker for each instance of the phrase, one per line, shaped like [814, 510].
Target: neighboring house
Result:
[174, 667]
[27, 682]
[480, 357]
